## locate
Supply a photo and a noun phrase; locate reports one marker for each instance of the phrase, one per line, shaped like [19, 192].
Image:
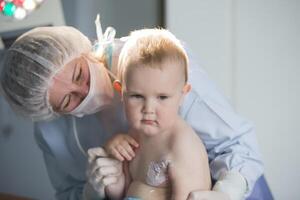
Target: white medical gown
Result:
[229, 139]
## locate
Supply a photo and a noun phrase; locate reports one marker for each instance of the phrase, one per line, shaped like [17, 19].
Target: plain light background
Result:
[251, 48]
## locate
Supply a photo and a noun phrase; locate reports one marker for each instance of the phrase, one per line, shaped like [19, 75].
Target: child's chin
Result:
[150, 134]
[149, 131]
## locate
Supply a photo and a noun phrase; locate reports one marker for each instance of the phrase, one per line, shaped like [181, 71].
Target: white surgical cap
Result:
[32, 61]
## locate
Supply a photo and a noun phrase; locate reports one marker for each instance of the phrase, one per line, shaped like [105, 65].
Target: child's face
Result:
[152, 97]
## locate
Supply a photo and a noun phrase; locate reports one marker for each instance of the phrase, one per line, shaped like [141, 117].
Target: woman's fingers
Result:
[102, 162]
[109, 180]
[107, 162]
[93, 153]
[111, 170]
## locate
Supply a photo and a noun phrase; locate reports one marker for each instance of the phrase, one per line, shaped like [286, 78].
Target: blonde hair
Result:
[151, 47]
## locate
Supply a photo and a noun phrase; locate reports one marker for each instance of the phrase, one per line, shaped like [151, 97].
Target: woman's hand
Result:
[121, 147]
[230, 186]
[103, 171]
[207, 195]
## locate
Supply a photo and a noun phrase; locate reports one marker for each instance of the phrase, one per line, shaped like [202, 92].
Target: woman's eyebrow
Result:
[73, 74]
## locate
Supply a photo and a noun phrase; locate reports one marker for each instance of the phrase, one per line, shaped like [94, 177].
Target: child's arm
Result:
[189, 168]
[121, 147]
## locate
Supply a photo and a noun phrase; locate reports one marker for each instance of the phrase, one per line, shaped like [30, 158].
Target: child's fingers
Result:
[132, 142]
[124, 153]
[128, 149]
[117, 154]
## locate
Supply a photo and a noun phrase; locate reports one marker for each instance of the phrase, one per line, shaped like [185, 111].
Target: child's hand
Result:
[121, 147]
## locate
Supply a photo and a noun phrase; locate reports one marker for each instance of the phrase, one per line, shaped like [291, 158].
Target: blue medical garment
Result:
[261, 190]
[132, 198]
[229, 138]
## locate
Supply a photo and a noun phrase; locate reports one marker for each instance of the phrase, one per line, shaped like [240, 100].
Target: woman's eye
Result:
[66, 102]
[78, 76]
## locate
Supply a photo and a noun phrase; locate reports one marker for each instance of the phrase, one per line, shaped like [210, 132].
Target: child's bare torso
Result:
[146, 192]
[150, 169]
[149, 172]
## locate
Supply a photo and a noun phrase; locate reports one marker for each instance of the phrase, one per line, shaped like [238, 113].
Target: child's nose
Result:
[149, 107]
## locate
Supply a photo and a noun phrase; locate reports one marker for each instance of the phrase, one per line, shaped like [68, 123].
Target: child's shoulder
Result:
[185, 138]
[183, 130]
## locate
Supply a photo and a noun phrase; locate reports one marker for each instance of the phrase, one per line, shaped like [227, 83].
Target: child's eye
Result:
[163, 97]
[137, 96]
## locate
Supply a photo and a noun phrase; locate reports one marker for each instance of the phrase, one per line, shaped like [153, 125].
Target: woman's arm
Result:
[65, 185]
[67, 167]
[230, 140]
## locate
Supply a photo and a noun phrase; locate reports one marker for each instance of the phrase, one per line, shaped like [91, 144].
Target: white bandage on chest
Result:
[157, 172]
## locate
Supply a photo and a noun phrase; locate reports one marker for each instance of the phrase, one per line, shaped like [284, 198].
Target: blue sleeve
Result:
[230, 139]
[65, 184]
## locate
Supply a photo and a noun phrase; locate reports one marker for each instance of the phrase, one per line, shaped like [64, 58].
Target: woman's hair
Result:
[151, 47]
[32, 61]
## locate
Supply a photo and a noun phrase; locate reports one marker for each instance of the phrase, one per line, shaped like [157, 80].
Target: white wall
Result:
[206, 27]
[251, 48]
[268, 86]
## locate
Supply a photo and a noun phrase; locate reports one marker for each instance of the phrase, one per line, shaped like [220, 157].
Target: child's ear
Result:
[117, 86]
[186, 88]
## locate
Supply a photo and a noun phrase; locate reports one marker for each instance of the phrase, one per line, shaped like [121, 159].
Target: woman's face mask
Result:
[82, 87]
[100, 93]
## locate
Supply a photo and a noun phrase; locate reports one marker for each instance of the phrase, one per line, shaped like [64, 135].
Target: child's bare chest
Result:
[150, 166]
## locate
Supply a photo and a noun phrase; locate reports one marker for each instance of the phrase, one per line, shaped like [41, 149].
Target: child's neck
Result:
[158, 138]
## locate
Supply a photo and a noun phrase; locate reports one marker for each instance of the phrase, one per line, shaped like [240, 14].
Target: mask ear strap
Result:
[117, 86]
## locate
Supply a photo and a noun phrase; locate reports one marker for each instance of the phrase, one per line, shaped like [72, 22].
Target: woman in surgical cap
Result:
[54, 76]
